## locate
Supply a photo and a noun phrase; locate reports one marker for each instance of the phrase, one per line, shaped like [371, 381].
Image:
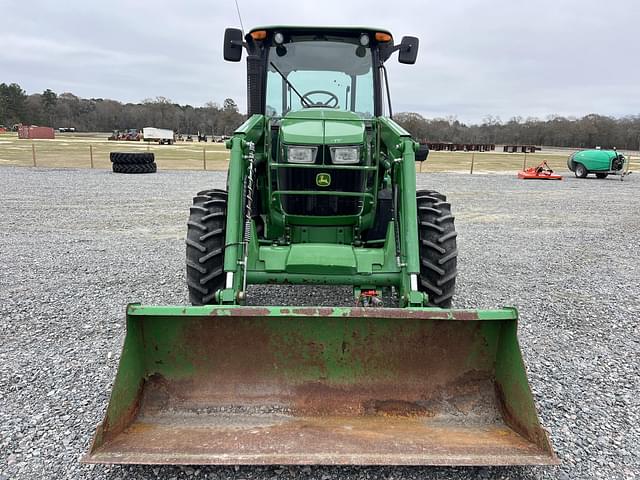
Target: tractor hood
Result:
[322, 126]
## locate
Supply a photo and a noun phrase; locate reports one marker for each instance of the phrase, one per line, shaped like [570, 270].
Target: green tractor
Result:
[321, 190]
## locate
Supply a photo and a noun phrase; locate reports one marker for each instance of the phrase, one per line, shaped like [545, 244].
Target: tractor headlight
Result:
[301, 154]
[345, 155]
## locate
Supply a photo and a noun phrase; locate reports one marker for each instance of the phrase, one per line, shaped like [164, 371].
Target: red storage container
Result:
[33, 132]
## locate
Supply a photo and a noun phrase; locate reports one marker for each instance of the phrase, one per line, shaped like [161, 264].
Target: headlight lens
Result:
[301, 154]
[345, 155]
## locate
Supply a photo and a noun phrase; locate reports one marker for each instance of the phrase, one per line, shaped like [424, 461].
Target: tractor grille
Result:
[323, 203]
[301, 193]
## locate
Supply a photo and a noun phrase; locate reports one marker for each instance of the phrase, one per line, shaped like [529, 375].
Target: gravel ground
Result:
[77, 245]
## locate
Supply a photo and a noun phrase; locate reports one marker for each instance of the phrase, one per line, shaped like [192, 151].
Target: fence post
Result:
[33, 153]
[91, 154]
[473, 157]
[524, 162]
[204, 157]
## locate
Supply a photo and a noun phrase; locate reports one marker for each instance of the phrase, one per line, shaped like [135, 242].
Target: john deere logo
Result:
[323, 179]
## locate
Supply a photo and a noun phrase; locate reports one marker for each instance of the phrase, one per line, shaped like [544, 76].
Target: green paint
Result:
[320, 126]
[382, 279]
[129, 379]
[511, 379]
[302, 132]
[273, 258]
[318, 258]
[324, 259]
[344, 132]
[409, 235]
[595, 160]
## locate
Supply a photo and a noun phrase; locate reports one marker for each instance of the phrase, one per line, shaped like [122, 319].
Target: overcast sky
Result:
[477, 58]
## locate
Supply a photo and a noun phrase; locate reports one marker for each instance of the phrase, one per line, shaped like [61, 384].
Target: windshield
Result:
[324, 73]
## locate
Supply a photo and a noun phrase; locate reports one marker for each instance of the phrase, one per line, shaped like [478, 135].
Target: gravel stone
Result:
[77, 245]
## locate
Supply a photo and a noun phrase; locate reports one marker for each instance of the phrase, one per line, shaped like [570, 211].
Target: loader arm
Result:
[400, 152]
[250, 131]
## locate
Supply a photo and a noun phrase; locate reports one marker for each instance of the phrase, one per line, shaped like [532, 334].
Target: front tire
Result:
[205, 246]
[437, 247]
[581, 171]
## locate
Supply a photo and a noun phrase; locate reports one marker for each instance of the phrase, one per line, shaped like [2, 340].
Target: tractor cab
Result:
[294, 68]
[320, 90]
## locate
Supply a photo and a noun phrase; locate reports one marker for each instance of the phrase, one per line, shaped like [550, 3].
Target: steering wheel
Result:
[332, 102]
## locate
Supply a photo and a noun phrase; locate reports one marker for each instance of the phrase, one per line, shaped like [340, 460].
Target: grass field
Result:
[74, 150]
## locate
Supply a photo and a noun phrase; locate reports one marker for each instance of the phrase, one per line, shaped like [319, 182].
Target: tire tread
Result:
[205, 246]
[437, 247]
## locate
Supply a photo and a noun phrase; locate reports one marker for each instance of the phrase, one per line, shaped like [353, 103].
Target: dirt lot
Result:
[76, 245]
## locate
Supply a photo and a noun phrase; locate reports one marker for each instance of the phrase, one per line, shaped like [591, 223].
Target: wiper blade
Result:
[304, 102]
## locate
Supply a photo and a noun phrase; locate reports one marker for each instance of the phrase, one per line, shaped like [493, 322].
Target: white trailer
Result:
[160, 135]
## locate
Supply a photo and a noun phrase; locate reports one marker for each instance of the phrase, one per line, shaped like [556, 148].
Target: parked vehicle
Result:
[130, 135]
[160, 135]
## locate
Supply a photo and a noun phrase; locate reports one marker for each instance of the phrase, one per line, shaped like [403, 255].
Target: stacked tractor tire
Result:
[123, 162]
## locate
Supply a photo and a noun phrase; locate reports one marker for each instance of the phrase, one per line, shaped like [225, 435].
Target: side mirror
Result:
[408, 51]
[422, 152]
[233, 44]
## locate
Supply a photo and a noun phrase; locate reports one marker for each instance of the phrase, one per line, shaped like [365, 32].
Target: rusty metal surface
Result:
[317, 388]
[185, 437]
[425, 313]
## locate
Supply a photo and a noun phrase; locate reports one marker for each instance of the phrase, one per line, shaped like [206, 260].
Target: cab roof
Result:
[310, 29]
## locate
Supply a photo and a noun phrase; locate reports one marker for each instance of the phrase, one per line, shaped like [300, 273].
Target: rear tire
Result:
[581, 171]
[438, 249]
[601, 175]
[205, 246]
[127, 168]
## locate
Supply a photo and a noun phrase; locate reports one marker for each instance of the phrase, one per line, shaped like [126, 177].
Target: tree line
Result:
[101, 115]
[587, 132]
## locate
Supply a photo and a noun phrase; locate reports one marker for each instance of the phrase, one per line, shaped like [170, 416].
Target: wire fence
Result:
[80, 152]
[87, 154]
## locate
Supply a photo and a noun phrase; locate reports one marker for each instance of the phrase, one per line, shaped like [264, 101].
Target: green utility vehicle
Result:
[321, 190]
[601, 162]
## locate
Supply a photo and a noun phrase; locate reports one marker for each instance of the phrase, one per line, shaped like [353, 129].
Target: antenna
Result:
[240, 17]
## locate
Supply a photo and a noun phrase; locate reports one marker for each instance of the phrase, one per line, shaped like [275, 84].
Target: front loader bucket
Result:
[275, 385]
